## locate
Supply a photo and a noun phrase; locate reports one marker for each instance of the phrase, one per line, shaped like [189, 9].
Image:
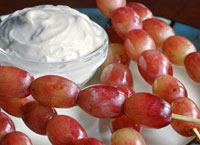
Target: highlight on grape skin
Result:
[6, 125]
[125, 19]
[126, 89]
[138, 41]
[186, 107]
[14, 82]
[123, 122]
[152, 64]
[69, 130]
[55, 91]
[116, 74]
[16, 138]
[107, 7]
[148, 110]
[168, 88]
[159, 30]
[142, 10]
[14, 106]
[36, 116]
[102, 101]
[127, 136]
[192, 66]
[176, 48]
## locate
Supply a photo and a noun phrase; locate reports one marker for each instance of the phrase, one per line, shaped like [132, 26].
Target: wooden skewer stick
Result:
[185, 119]
[189, 120]
[196, 132]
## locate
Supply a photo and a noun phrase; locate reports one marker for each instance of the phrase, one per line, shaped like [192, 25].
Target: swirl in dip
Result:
[49, 34]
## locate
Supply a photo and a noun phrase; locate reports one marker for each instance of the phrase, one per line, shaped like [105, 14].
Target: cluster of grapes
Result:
[135, 35]
[33, 100]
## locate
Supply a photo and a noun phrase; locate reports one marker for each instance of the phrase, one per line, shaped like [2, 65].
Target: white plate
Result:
[99, 128]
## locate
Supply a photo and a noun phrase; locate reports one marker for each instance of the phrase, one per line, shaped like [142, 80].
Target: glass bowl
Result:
[79, 70]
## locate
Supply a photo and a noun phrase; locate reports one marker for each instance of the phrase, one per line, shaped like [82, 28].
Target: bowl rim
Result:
[77, 60]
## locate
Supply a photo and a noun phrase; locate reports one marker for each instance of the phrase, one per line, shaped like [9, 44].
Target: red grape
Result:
[126, 89]
[141, 10]
[14, 106]
[108, 6]
[55, 91]
[88, 141]
[159, 30]
[64, 130]
[16, 138]
[102, 101]
[36, 116]
[116, 74]
[123, 122]
[186, 107]
[136, 42]
[148, 110]
[14, 82]
[125, 19]
[152, 64]
[6, 125]
[192, 66]
[113, 37]
[168, 88]
[127, 136]
[176, 48]
[116, 54]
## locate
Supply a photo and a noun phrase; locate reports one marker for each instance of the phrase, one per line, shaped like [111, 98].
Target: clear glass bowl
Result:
[79, 70]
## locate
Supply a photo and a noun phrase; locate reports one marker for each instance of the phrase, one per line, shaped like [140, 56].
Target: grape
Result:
[36, 116]
[176, 48]
[127, 136]
[55, 91]
[186, 107]
[123, 122]
[88, 141]
[138, 41]
[113, 37]
[192, 66]
[152, 64]
[168, 88]
[16, 138]
[125, 19]
[6, 125]
[108, 6]
[148, 110]
[159, 30]
[14, 106]
[64, 130]
[14, 82]
[125, 89]
[141, 10]
[102, 101]
[116, 74]
[116, 54]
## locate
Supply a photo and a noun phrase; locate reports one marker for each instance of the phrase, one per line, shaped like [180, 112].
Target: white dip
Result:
[49, 34]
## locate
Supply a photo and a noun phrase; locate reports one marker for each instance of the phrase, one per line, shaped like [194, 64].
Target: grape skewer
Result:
[190, 120]
[185, 118]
